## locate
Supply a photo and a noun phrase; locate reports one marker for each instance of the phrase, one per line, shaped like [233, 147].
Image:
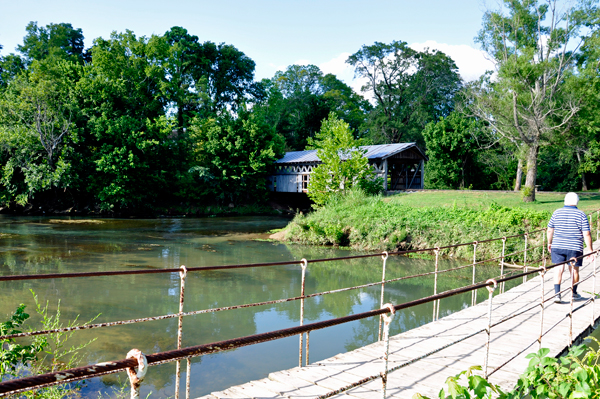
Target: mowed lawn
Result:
[588, 201]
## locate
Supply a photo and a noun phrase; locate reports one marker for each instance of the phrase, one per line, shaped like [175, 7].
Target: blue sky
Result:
[274, 33]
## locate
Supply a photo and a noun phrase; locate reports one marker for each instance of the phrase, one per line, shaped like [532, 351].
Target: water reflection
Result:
[42, 245]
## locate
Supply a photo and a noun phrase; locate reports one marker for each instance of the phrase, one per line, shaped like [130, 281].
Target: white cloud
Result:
[471, 62]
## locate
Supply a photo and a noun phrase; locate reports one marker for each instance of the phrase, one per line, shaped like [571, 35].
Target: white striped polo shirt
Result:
[568, 224]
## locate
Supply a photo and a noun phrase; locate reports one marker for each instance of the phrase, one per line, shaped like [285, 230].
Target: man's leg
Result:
[558, 272]
[575, 277]
[558, 256]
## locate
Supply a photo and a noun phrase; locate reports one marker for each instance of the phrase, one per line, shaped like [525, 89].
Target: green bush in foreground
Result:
[371, 223]
[48, 353]
[575, 375]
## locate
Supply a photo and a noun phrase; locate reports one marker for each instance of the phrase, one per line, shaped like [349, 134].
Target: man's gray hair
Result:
[571, 199]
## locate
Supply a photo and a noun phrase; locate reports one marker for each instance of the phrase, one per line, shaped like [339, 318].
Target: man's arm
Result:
[549, 234]
[587, 236]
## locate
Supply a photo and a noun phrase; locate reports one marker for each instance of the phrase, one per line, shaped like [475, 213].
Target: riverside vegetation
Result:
[426, 220]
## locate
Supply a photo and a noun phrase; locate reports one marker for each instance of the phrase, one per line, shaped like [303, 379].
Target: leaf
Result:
[479, 385]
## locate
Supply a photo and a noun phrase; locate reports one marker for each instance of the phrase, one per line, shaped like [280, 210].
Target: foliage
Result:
[451, 149]
[295, 102]
[233, 156]
[477, 387]
[374, 223]
[410, 88]
[12, 354]
[576, 375]
[46, 353]
[60, 41]
[530, 100]
[343, 164]
[37, 130]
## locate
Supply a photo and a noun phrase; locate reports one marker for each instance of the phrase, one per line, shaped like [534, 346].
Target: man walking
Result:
[567, 229]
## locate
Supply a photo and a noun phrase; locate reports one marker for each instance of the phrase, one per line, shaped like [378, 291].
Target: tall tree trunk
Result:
[532, 155]
[519, 175]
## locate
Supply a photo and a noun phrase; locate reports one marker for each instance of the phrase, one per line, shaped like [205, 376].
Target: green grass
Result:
[430, 219]
[588, 201]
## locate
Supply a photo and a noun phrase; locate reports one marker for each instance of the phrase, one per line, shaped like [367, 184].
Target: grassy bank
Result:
[428, 219]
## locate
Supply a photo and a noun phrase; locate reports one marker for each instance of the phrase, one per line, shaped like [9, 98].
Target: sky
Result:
[274, 33]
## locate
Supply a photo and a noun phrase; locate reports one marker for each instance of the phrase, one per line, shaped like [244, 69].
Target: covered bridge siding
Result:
[400, 165]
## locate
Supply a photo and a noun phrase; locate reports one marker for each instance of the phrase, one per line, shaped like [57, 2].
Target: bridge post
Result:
[474, 292]
[489, 326]
[543, 243]
[598, 226]
[502, 264]
[436, 304]
[182, 276]
[572, 262]
[384, 257]
[594, 291]
[387, 318]
[525, 258]
[188, 372]
[542, 303]
[303, 264]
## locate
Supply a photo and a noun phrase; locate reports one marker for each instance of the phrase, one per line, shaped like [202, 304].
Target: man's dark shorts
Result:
[560, 255]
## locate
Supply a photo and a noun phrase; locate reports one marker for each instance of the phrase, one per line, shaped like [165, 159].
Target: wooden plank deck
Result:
[427, 376]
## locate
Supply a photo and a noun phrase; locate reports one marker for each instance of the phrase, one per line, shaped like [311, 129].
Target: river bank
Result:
[380, 223]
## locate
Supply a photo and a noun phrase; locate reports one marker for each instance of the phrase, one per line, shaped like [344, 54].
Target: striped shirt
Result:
[568, 223]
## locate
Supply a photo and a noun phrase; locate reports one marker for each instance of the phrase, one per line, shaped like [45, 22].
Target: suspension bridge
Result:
[419, 361]
[497, 333]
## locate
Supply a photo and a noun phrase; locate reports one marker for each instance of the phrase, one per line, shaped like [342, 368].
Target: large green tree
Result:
[451, 148]
[37, 130]
[410, 89]
[529, 100]
[53, 40]
[128, 150]
[296, 100]
[233, 156]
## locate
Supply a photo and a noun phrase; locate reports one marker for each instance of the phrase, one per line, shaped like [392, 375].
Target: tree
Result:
[10, 66]
[54, 40]
[528, 101]
[451, 149]
[229, 75]
[298, 99]
[184, 86]
[410, 88]
[343, 164]
[128, 148]
[37, 130]
[233, 156]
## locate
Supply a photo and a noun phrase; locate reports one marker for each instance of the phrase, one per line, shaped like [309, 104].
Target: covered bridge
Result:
[400, 165]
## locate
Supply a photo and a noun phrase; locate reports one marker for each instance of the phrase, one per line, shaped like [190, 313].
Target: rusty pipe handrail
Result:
[211, 310]
[240, 266]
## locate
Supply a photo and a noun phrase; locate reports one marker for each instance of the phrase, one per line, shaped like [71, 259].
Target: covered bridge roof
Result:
[381, 151]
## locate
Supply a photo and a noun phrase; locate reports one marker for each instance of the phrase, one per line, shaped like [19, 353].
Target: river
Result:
[55, 245]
